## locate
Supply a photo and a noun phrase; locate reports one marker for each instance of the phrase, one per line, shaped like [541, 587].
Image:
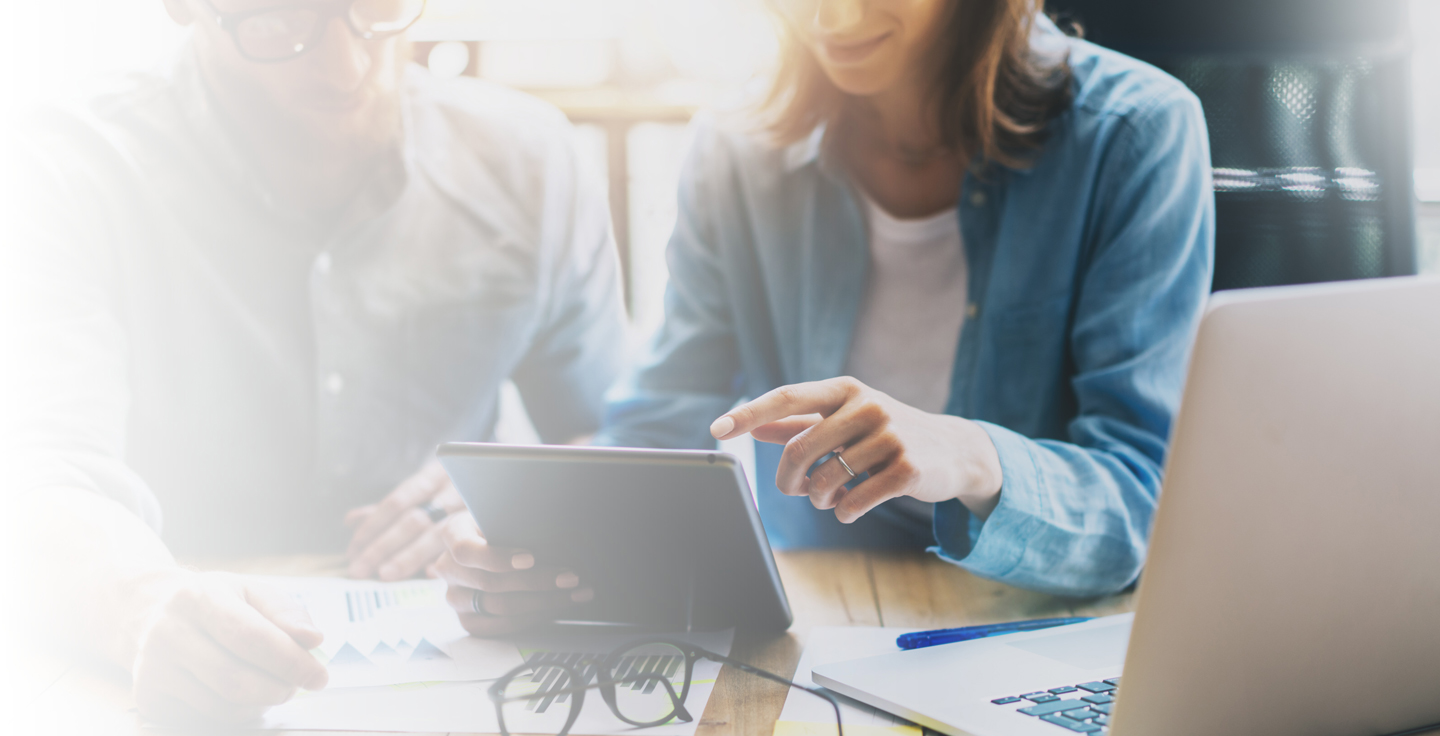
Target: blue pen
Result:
[919, 639]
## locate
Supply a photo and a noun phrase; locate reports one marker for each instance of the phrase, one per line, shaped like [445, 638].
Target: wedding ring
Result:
[845, 465]
[478, 604]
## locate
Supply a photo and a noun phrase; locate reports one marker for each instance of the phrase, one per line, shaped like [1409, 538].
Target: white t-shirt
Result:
[909, 324]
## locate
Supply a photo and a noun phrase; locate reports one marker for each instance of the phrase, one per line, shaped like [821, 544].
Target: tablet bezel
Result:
[738, 555]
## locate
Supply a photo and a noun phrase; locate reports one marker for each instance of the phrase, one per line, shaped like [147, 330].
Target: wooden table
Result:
[826, 588]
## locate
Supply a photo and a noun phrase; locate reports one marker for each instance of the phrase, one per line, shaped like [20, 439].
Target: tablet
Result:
[669, 539]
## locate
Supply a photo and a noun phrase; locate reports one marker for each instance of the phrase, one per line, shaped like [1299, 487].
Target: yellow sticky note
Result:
[804, 728]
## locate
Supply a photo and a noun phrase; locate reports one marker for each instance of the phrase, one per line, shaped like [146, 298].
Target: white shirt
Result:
[909, 325]
[180, 345]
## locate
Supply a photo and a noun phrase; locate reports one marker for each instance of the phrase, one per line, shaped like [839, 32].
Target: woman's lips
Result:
[855, 51]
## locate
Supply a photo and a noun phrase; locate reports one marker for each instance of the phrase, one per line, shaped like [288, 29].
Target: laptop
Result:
[1293, 582]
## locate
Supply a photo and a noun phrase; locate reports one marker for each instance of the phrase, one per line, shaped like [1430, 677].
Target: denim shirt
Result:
[1088, 271]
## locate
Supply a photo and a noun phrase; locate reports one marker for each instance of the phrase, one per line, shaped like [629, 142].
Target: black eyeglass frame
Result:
[607, 687]
[324, 9]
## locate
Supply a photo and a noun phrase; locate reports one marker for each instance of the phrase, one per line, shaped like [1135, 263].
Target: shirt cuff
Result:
[993, 548]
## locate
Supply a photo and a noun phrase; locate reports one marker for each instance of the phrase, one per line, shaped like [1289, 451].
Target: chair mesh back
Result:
[1308, 108]
[1299, 196]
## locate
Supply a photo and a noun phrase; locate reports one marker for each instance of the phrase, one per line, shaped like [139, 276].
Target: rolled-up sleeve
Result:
[688, 375]
[1074, 516]
[63, 382]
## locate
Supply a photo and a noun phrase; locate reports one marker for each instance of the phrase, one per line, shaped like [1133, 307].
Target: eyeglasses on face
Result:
[645, 683]
[280, 31]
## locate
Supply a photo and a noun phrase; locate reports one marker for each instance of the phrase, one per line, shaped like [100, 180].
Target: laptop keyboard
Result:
[1083, 708]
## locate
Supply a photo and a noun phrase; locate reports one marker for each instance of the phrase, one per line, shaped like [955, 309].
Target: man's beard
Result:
[306, 134]
[323, 138]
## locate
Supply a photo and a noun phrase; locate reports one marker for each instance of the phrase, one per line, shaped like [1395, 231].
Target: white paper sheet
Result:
[466, 707]
[807, 715]
[394, 633]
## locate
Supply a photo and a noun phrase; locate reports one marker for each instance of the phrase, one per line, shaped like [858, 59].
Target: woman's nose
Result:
[837, 16]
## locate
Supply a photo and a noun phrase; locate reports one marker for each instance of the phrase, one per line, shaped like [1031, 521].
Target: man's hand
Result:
[906, 451]
[397, 538]
[214, 647]
[499, 591]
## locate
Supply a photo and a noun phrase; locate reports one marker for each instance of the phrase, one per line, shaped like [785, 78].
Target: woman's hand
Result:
[499, 591]
[907, 452]
[400, 536]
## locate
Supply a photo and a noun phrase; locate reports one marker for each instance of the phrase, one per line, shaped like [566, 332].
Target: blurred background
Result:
[631, 73]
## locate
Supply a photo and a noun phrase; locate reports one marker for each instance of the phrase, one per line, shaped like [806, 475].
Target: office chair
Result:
[1308, 105]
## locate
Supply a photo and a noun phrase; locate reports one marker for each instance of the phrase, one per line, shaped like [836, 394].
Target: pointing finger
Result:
[818, 397]
[780, 432]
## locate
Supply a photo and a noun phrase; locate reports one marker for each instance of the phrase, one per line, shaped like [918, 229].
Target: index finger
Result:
[464, 542]
[816, 397]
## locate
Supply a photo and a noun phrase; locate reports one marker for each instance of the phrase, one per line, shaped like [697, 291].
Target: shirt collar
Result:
[803, 152]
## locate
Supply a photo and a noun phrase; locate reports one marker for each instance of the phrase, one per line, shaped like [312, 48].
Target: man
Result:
[251, 296]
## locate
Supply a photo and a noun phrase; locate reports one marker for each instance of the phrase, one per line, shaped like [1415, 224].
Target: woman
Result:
[960, 270]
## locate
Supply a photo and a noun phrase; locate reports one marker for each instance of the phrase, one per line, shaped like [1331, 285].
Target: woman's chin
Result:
[862, 82]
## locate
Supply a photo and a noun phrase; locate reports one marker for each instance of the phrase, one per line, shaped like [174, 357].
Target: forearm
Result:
[91, 569]
[1070, 519]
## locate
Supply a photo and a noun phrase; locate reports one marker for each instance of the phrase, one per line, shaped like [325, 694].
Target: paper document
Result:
[394, 633]
[466, 707]
[807, 715]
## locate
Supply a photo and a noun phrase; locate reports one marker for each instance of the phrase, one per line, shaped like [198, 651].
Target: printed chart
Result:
[394, 633]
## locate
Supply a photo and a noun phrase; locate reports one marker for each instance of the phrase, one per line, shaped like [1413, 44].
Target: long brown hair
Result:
[992, 93]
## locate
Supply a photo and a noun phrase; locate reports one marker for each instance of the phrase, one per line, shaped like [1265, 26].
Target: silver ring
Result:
[477, 603]
[845, 465]
[435, 513]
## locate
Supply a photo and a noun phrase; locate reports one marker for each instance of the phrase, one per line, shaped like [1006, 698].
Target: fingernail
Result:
[721, 427]
[522, 561]
[567, 580]
[583, 595]
[389, 572]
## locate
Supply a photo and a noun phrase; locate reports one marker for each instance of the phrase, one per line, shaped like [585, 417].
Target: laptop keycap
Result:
[1063, 690]
[1099, 698]
[1056, 706]
[1096, 687]
[1103, 720]
[1103, 708]
[1113, 681]
[1005, 701]
[1072, 725]
[1042, 698]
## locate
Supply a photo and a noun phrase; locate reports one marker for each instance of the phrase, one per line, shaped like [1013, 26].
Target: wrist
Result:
[981, 475]
[131, 602]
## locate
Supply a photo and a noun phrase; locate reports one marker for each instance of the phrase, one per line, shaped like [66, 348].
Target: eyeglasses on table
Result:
[645, 683]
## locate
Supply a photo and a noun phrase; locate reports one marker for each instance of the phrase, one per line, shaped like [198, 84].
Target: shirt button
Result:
[322, 264]
[977, 199]
[972, 310]
[334, 384]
